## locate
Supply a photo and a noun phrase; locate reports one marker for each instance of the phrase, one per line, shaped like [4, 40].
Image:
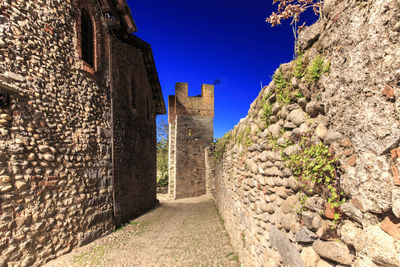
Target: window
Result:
[133, 94]
[87, 38]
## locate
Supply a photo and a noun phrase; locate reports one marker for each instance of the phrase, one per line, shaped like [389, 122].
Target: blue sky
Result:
[201, 41]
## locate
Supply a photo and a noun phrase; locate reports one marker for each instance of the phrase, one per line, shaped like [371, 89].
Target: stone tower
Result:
[190, 131]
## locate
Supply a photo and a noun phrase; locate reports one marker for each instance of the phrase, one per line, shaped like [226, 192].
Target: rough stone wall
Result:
[192, 120]
[193, 135]
[55, 173]
[209, 173]
[353, 110]
[134, 133]
[56, 129]
[171, 160]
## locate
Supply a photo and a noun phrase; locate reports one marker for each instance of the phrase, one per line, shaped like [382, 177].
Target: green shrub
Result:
[267, 108]
[246, 138]
[302, 201]
[220, 146]
[283, 96]
[243, 137]
[317, 170]
[162, 179]
[279, 80]
[239, 137]
[317, 68]
[162, 153]
[267, 111]
[299, 70]
[273, 142]
[284, 91]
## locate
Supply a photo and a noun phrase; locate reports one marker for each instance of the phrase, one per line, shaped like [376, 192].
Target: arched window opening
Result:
[87, 38]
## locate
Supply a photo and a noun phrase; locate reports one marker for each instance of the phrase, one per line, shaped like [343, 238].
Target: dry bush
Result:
[293, 9]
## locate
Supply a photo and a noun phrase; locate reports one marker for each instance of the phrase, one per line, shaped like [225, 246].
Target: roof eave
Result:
[123, 7]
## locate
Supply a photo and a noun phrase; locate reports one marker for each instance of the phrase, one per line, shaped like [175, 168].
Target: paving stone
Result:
[179, 233]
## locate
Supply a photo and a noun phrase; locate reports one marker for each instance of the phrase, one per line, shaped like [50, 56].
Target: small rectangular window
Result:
[87, 38]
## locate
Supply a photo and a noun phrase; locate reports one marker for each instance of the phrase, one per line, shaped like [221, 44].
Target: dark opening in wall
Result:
[87, 39]
[4, 99]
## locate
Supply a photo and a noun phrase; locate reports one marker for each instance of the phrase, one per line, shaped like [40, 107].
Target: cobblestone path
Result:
[187, 232]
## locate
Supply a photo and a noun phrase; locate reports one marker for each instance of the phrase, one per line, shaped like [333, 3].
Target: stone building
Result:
[190, 130]
[78, 99]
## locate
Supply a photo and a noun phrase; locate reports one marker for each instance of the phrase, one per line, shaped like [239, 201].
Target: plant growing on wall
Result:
[266, 107]
[302, 201]
[220, 146]
[285, 92]
[246, 139]
[279, 80]
[292, 9]
[317, 67]
[318, 172]
[243, 137]
[299, 70]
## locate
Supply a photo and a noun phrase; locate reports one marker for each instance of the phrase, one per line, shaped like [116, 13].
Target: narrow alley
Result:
[186, 232]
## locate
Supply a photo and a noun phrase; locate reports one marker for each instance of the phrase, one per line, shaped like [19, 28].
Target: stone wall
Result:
[134, 133]
[192, 136]
[327, 123]
[171, 159]
[209, 175]
[56, 130]
[55, 169]
[191, 120]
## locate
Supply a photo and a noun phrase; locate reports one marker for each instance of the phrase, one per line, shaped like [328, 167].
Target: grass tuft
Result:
[317, 68]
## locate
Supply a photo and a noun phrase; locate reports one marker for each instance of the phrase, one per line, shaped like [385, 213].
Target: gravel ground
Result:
[187, 232]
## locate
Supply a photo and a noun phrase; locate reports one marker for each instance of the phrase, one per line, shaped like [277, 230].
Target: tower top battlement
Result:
[181, 104]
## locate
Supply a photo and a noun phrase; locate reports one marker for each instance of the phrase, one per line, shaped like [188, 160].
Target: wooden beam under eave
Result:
[131, 28]
[126, 13]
